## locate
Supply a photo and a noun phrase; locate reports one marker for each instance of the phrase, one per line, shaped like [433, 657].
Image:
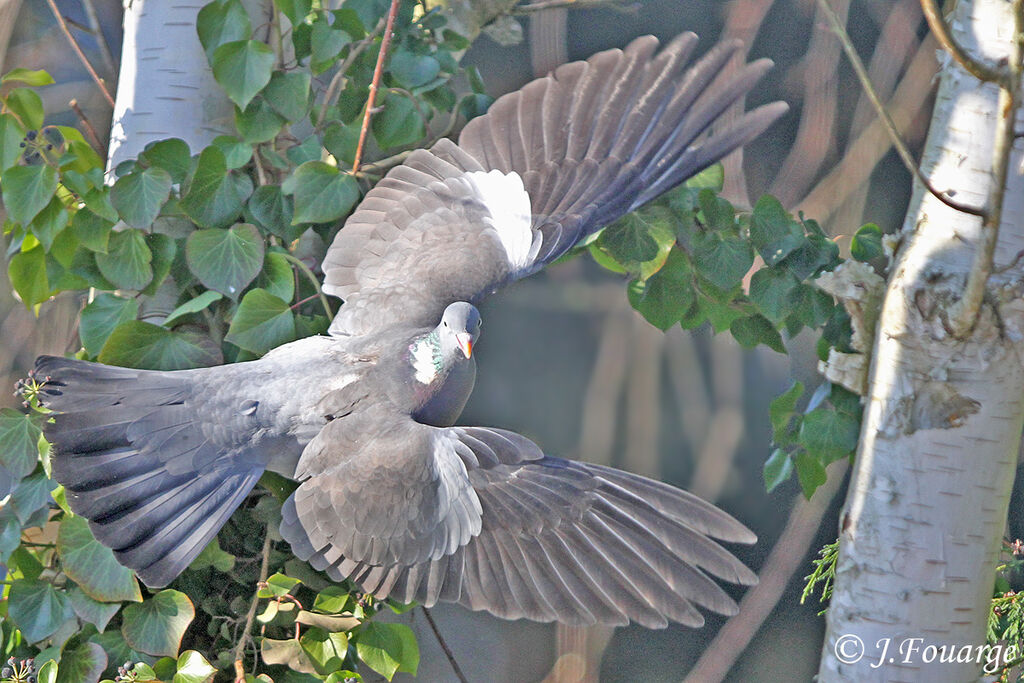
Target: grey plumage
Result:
[391, 494]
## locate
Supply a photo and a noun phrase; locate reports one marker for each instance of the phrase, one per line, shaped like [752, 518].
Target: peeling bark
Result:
[920, 533]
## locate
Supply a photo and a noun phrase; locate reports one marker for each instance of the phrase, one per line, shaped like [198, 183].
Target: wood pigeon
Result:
[391, 494]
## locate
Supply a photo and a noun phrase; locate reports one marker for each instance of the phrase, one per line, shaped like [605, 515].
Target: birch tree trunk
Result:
[920, 533]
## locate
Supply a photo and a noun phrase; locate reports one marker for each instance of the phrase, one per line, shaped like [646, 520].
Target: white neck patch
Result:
[423, 361]
[511, 216]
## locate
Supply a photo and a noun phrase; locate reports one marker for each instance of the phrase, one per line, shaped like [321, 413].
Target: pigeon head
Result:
[459, 328]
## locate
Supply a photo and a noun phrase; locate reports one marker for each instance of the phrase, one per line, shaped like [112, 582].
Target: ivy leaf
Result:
[332, 600]
[155, 626]
[225, 260]
[28, 77]
[341, 140]
[258, 122]
[138, 344]
[139, 195]
[236, 152]
[92, 565]
[665, 297]
[749, 331]
[628, 240]
[782, 410]
[288, 652]
[721, 259]
[222, 22]
[12, 133]
[277, 277]
[128, 260]
[773, 292]
[19, 439]
[412, 70]
[828, 434]
[810, 472]
[398, 123]
[92, 611]
[49, 222]
[37, 608]
[278, 586]
[295, 10]
[322, 193]
[31, 497]
[773, 232]
[27, 273]
[215, 196]
[326, 42]
[101, 316]
[27, 106]
[171, 155]
[27, 190]
[326, 650]
[777, 469]
[287, 93]
[867, 243]
[272, 210]
[83, 662]
[193, 305]
[242, 68]
[164, 250]
[388, 648]
[213, 556]
[193, 668]
[262, 322]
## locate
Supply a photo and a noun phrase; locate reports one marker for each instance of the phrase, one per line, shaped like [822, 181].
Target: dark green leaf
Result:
[49, 222]
[628, 240]
[92, 565]
[128, 261]
[667, 295]
[262, 322]
[139, 195]
[472, 106]
[341, 140]
[288, 94]
[242, 68]
[236, 152]
[27, 273]
[10, 534]
[413, 70]
[164, 250]
[12, 133]
[98, 201]
[222, 22]
[193, 305]
[272, 210]
[277, 277]
[28, 77]
[213, 556]
[398, 123]
[27, 190]
[309, 150]
[773, 291]
[388, 648]
[225, 260]
[101, 316]
[867, 243]
[83, 662]
[773, 232]
[32, 497]
[718, 213]
[829, 435]
[326, 43]
[193, 668]
[752, 330]
[138, 344]
[782, 410]
[171, 155]
[27, 106]
[809, 471]
[295, 10]
[19, 439]
[816, 252]
[722, 259]
[258, 122]
[215, 196]
[156, 625]
[322, 193]
[92, 611]
[37, 608]
[777, 469]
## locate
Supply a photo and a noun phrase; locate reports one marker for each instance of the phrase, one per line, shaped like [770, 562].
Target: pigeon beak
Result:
[465, 343]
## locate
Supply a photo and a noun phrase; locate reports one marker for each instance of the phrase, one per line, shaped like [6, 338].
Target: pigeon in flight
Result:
[391, 495]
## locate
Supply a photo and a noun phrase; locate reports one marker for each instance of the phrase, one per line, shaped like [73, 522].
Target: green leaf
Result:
[773, 232]
[829, 435]
[667, 295]
[28, 77]
[139, 195]
[718, 213]
[412, 70]
[782, 410]
[722, 259]
[341, 140]
[777, 470]
[262, 322]
[47, 672]
[193, 305]
[712, 178]
[326, 650]
[322, 193]
[277, 277]
[332, 600]
[138, 344]
[27, 273]
[272, 210]
[19, 439]
[213, 556]
[398, 123]
[92, 611]
[221, 22]
[773, 293]
[31, 497]
[10, 534]
[37, 608]
[388, 648]
[278, 586]
[225, 260]
[867, 243]
[810, 472]
[128, 261]
[164, 250]
[258, 122]
[326, 43]
[628, 240]
[49, 222]
[12, 134]
[92, 565]
[295, 10]
[83, 662]
[215, 196]
[27, 190]
[752, 330]
[27, 106]
[242, 68]
[101, 316]
[816, 252]
[172, 155]
[236, 152]
[288, 94]
[287, 652]
[193, 668]
[156, 625]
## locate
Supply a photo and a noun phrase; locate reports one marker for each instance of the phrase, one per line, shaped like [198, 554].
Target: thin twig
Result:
[444, 646]
[378, 70]
[101, 40]
[313, 279]
[890, 127]
[251, 615]
[977, 68]
[339, 77]
[78, 51]
[89, 130]
[963, 313]
[568, 4]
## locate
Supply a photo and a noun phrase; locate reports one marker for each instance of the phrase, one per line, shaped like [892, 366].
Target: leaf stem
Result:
[313, 279]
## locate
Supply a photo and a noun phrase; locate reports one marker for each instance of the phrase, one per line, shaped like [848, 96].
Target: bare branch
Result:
[377, 71]
[78, 51]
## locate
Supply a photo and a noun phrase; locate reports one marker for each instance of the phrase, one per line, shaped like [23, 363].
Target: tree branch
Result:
[251, 615]
[444, 646]
[78, 51]
[385, 41]
[975, 67]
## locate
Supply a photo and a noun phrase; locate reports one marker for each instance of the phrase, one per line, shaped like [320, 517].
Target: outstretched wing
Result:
[482, 517]
[547, 165]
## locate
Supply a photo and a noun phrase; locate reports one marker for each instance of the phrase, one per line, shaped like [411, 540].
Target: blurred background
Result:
[565, 361]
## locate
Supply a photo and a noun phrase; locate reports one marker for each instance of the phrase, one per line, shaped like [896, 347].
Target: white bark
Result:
[926, 509]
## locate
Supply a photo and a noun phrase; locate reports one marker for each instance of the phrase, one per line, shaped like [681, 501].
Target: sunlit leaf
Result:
[225, 260]
[92, 565]
[156, 625]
